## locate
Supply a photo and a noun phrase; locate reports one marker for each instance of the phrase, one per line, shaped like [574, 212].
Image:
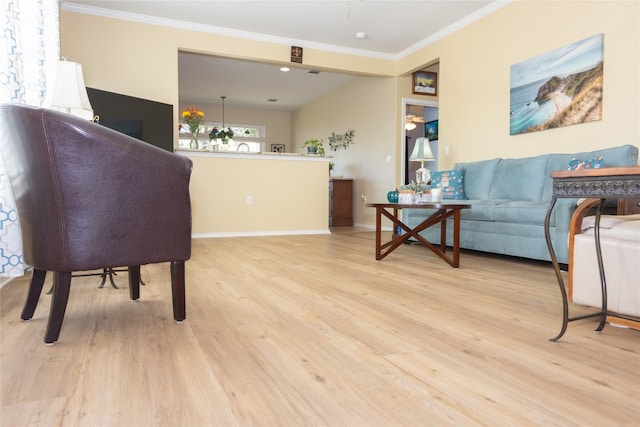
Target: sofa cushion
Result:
[521, 212]
[519, 179]
[481, 210]
[452, 183]
[478, 177]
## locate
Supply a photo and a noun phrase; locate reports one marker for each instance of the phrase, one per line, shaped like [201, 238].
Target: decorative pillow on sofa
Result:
[595, 163]
[452, 183]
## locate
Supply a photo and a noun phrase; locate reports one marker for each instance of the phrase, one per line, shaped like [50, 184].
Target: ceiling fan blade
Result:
[410, 118]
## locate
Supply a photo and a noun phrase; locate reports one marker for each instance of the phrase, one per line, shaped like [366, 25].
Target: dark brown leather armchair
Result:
[88, 198]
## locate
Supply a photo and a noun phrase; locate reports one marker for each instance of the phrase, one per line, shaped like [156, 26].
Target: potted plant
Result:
[314, 146]
[341, 141]
[411, 192]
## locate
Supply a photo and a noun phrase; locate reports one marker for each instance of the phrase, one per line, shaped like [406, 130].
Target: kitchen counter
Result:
[253, 154]
[236, 193]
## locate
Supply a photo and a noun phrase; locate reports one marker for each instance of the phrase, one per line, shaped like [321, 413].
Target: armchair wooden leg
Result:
[35, 289]
[134, 282]
[177, 290]
[61, 286]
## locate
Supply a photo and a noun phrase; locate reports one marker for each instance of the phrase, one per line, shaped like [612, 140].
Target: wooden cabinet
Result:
[340, 202]
[628, 206]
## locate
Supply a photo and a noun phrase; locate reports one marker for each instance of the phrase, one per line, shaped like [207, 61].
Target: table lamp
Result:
[422, 152]
[69, 93]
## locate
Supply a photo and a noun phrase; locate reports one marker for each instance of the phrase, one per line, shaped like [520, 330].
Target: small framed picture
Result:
[296, 54]
[277, 148]
[425, 83]
[431, 130]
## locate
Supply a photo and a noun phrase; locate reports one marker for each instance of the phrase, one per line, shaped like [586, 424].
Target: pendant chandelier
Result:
[223, 135]
[223, 98]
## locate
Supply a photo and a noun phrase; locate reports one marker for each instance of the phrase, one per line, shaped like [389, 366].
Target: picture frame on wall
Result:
[561, 87]
[425, 83]
[431, 130]
[277, 148]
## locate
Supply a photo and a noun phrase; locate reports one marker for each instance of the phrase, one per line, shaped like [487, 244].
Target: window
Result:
[254, 136]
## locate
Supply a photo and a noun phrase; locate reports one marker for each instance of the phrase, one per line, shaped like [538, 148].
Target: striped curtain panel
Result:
[29, 53]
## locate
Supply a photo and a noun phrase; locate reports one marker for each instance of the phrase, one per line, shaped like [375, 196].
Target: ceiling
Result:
[392, 28]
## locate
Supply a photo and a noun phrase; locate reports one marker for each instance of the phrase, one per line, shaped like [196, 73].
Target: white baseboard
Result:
[373, 227]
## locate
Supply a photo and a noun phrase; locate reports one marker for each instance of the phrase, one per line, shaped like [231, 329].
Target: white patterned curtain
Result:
[29, 53]
[11, 264]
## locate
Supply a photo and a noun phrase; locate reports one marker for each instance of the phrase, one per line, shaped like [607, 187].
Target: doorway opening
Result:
[423, 114]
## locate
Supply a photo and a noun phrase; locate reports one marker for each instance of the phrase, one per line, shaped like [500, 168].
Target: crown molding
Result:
[247, 35]
[211, 29]
[480, 13]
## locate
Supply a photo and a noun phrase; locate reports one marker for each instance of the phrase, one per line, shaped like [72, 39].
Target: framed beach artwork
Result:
[562, 87]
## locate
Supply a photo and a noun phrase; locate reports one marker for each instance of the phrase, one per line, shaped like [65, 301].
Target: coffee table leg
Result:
[440, 216]
[397, 239]
[443, 236]
[378, 232]
[395, 233]
[456, 238]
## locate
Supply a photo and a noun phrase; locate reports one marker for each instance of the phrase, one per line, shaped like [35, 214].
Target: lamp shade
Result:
[69, 93]
[422, 150]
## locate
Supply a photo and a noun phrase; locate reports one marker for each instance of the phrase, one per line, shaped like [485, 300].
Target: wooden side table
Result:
[603, 183]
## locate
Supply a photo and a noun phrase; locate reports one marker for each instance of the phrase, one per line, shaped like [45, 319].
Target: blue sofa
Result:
[509, 200]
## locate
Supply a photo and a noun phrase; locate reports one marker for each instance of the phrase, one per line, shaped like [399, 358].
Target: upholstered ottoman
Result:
[620, 243]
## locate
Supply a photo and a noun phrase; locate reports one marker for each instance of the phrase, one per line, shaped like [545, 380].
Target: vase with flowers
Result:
[192, 117]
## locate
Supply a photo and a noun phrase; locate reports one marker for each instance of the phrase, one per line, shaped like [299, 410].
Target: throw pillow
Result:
[595, 163]
[452, 183]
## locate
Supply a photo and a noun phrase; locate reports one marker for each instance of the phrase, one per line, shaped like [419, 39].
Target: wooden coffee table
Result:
[442, 212]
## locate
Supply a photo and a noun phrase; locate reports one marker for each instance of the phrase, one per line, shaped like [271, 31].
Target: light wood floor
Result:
[312, 331]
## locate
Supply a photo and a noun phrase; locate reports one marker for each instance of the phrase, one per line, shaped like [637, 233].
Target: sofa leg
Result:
[178, 291]
[35, 289]
[61, 286]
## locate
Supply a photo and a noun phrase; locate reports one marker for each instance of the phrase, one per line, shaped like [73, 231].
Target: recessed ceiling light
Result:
[285, 69]
[361, 35]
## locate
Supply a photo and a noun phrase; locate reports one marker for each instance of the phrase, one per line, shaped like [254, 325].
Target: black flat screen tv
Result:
[146, 120]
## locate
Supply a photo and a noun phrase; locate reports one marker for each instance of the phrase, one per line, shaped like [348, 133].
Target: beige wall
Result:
[475, 71]
[141, 60]
[367, 105]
